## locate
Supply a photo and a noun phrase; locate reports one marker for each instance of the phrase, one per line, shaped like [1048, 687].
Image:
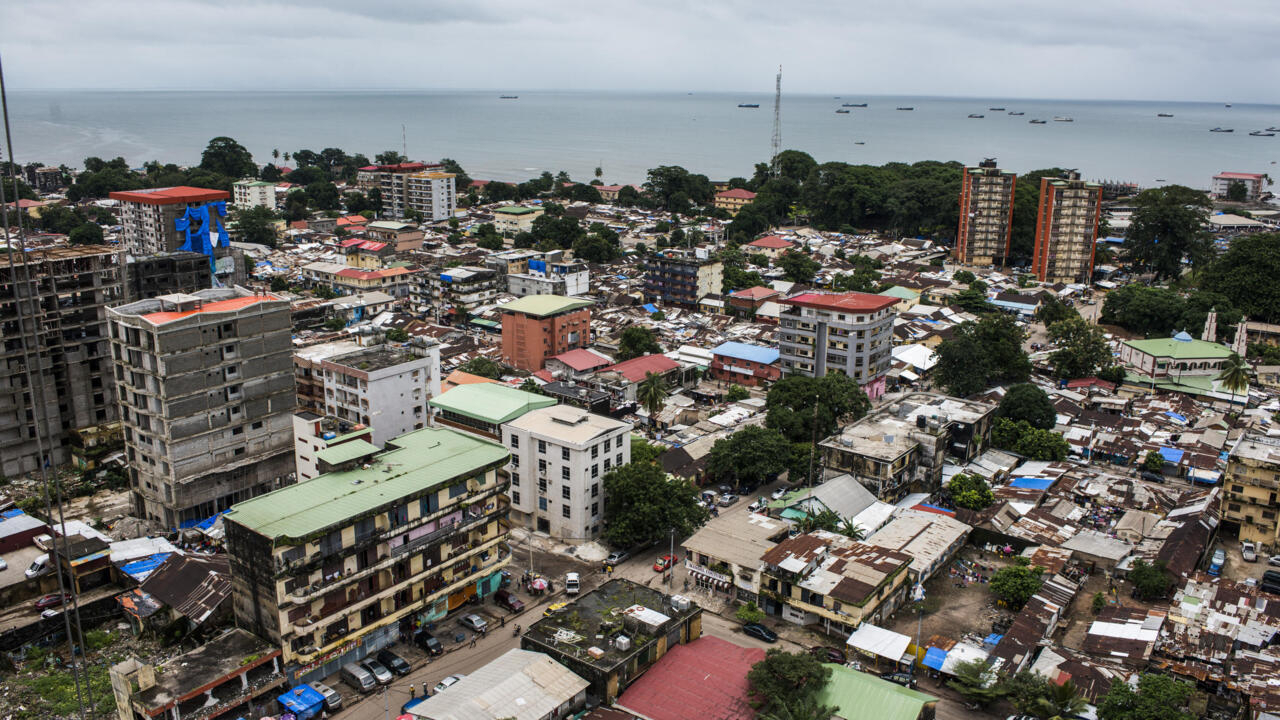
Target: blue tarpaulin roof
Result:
[10, 514]
[934, 658]
[1173, 455]
[1176, 416]
[204, 524]
[650, 308]
[1032, 483]
[303, 701]
[140, 569]
[743, 351]
[992, 639]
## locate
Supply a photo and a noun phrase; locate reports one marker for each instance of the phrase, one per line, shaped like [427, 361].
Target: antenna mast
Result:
[777, 124]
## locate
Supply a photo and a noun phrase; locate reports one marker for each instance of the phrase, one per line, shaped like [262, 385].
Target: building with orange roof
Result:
[206, 388]
[458, 377]
[732, 201]
[748, 300]
[771, 246]
[850, 333]
[148, 216]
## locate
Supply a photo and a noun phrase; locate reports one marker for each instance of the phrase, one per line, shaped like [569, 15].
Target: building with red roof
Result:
[849, 333]
[576, 364]
[620, 380]
[771, 246]
[705, 678]
[148, 216]
[732, 201]
[1253, 184]
[748, 300]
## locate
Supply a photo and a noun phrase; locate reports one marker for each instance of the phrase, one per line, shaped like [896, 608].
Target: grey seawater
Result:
[626, 133]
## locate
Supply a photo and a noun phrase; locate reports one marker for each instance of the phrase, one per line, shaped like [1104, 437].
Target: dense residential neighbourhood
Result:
[390, 439]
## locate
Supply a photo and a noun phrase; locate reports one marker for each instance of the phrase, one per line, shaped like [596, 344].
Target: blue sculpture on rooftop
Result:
[197, 222]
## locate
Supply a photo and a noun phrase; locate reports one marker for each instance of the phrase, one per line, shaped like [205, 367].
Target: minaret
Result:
[1241, 343]
[1210, 333]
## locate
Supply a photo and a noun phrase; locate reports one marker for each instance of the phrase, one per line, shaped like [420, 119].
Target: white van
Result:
[39, 566]
[571, 584]
[358, 678]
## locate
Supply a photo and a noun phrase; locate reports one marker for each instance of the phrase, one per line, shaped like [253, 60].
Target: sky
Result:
[1078, 49]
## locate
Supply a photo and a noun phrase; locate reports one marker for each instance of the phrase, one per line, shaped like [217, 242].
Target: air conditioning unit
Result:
[622, 643]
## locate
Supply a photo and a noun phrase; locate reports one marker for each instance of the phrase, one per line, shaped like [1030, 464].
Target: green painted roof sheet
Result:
[544, 305]
[515, 210]
[900, 292]
[346, 451]
[490, 402]
[1180, 350]
[861, 696]
[416, 462]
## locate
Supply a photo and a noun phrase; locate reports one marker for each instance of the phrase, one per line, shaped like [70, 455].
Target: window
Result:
[515, 479]
[595, 490]
[542, 485]
[564, 454]
[515, 496]
[564, 492]
[595, 509]
[515, 461]
[595, 471]
[595, 451]
[564, 511]
[515, 441]
[398, 516]
[564, 473]
[606, 464]
[1237, 488]
[428, 504]
[542, 446]
[457, 489]
[542, 465]
[542, 503]
[618, 460]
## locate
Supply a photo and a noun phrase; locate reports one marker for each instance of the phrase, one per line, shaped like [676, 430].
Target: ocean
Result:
[626, 133]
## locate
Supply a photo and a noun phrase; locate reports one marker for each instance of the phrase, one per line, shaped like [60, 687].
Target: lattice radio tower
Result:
[777, 124]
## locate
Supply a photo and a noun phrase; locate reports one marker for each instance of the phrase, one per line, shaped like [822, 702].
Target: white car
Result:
[1274, 560]
[780, 493]
[3, 565]
[571, 583]
[1249, 552]
[474, 622]
[448, 682]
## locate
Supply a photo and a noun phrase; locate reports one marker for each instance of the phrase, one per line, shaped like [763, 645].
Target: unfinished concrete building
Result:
[53, 310]
[206, 397]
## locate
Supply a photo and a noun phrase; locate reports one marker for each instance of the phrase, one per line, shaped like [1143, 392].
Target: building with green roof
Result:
[538, 327]
[1171, 358]
[862, 696]
[513, 219]
[544, 305]
[329, 568]
[481, 408]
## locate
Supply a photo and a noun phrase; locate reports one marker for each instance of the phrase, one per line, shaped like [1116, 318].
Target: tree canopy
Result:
[1150, 581]
[1028, 402]
[1016, 584]
[1035, 444]
[982, 354]
[799, 267]
[790, 405]
[1168, 226]
[1082, 349]
[225, 156]
[637, 341]
[975, 682]
[482, 366]
[783, 679]
[1245, 274]
[255, 225]
[1158, 697]
[643, 505]
[970, 491]
[749, 456]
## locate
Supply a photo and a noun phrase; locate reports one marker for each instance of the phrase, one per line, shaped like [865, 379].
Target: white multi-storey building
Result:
[551, 278]
[849, 333]
[382, 387]
[559, 457]
[253, 193]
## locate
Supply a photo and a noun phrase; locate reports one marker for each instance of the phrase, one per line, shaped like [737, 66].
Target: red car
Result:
[664, 563]
[51, 600]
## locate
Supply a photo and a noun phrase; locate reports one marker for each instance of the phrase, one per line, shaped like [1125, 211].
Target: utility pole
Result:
[777, 124]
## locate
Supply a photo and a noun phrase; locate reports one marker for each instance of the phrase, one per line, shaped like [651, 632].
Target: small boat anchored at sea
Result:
[1037, 122]
[1015, 112]
[906, 108]
[1063, 119]
[748, 105]
[508, 97]
[976, 115]
[854, 105]
[1261, 133]
[1164, 114]
[1222, 129]
[842, 111]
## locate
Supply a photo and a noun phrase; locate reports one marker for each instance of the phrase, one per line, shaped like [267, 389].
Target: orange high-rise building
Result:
[1066, 229]
[536, 327]
[986, 215]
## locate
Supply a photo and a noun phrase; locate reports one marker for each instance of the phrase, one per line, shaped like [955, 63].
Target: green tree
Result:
[279, 284]
[975, 682]
[652, 394]
[964, 276]
[737, 392]
[1033, 443]
[783, 679]
[1025, 401]
[636, 341]
[86, 234]
[255, 225]
[334, 324]
[799, 267]
[808, 708]
[749, 613]
[1153, 462]
[1014, 585]
[749, 456]
[225, 156]
[1138, 308]
[1237, 192]
[324, 195]
[795, 403]
[1246, 274]
[1053, 310]
[1061, 702]
[1082, 349]
[531, 386]
[1024, 690]
[397, 335]
[482, 366]
[1234, 375]
[388, 157]
[1167, 227]
[642, 505]
[1158, 697]
[970, 491]
[1098, 603]
[295, 206]
[1150, 581]
[972, 300]
[642, 451]
[462, 181]
[982, 354]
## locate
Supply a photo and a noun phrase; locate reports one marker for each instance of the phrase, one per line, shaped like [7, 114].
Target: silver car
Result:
[475, 623]
[380, 672]
[332, 699]
[448, 682]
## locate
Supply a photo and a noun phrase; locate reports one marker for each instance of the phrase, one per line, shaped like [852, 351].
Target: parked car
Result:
[571, 583]
[394, 662]
[332, 699]
[1273, 560]
[3, 565]
[829, 654]
[780, 493]
[617, 557]
[760, 632]
[39, 566]
[428, 643]
[447, 683]
[1249, 552]
[901, 678]
[44, 542]
[664, 563]
[474, 622]
[357, 678]
[1219, 559]
[727, 499]
[51, 600]
[555, 608]
[758, 506]
[508, 600]
[725, 489]
[378, 670]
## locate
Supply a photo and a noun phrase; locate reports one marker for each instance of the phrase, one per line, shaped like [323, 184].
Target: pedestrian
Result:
[424, 689]
[502, 621]
[413, 691]
[473, 642]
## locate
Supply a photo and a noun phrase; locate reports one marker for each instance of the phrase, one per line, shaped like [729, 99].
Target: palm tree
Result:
[806, 708]
[599, 172]
[275, 154]
[531, 386]
[827, 520]
[286, 157]
[852, 530]
[1235, 376]
[1063, 701]
[652, 393]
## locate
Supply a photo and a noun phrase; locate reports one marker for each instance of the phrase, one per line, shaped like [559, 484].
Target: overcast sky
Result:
[1133, 49]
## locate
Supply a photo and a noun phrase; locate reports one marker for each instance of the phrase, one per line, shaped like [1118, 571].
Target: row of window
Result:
[565, 510]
